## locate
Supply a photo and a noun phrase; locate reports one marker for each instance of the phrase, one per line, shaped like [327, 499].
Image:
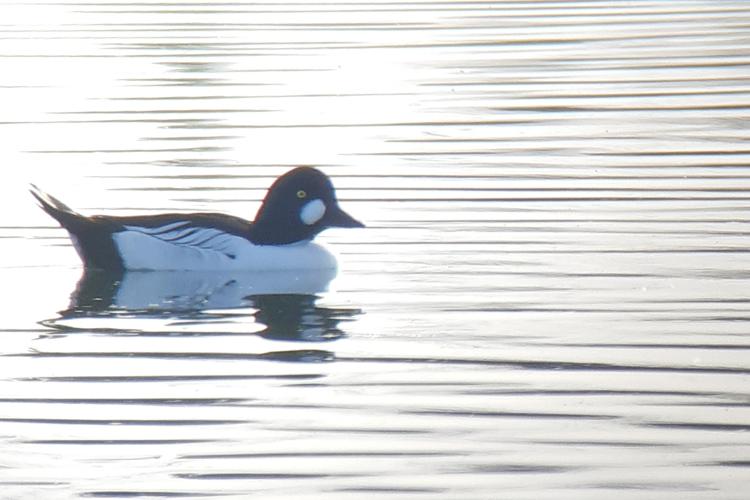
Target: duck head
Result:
[298, 205]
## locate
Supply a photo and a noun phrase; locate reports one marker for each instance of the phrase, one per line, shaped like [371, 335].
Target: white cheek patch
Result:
[312, 212]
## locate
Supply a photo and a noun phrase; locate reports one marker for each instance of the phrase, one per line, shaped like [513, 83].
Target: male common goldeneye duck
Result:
[298, 205]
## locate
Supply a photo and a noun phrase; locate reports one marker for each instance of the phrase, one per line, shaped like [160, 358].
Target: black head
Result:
[298, 205]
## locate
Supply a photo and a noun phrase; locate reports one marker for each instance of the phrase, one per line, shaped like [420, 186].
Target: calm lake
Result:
[550, 300]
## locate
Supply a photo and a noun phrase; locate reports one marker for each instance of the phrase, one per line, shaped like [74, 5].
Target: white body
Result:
[143, 251]
[192, 290]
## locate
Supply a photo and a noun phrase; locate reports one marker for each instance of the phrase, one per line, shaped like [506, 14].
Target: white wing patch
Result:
[183, 234]
[178, 245]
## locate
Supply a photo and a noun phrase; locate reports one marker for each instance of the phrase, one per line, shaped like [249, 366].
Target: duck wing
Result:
[149, 241]
[200, 231]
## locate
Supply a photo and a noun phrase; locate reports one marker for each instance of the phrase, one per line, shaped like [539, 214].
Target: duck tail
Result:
[62, 213]
[91, 236]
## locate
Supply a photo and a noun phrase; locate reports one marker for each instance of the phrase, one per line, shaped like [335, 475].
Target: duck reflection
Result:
[296, 317]
[284, 302]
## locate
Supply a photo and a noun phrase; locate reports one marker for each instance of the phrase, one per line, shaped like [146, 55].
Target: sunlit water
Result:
[550, 301]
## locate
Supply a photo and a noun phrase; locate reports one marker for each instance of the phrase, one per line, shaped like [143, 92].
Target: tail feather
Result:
[91, 236]
[62, 213]
[47, 201]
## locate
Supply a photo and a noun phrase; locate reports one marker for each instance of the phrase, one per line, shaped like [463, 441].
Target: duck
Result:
[298, 206]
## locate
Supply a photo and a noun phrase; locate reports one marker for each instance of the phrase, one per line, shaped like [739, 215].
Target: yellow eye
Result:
[301, 194]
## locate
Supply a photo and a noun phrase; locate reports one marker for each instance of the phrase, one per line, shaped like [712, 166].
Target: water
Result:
[550, 300]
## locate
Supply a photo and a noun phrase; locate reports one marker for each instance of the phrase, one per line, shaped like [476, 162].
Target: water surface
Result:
[550, 299]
